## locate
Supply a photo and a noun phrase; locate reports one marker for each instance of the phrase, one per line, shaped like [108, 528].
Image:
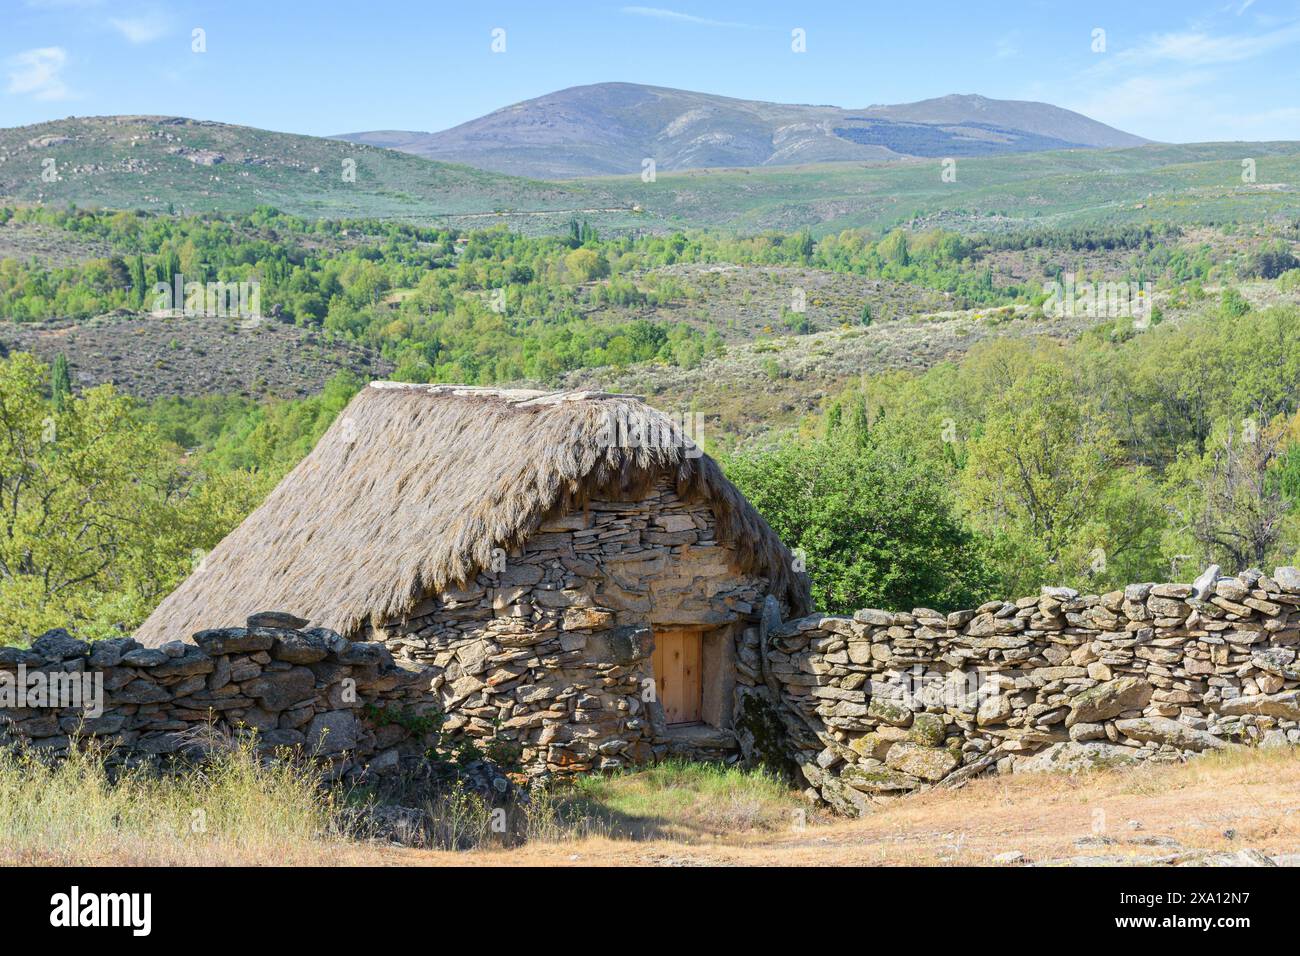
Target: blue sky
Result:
[1174, 70]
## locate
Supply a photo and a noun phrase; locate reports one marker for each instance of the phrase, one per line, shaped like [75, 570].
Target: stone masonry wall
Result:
[881, 703]
[308, 689]
[551, 650]
[549, 654]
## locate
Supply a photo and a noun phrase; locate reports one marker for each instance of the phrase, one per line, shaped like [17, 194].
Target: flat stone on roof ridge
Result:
[515, 396]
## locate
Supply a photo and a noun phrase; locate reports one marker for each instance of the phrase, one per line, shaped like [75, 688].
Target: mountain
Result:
[1041, 119]
[610, 128]
[157, 162]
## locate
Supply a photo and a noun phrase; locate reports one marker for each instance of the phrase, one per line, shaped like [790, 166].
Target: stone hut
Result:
[568, 571]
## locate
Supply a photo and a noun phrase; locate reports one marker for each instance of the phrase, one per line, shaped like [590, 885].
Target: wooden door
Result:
[678, 663]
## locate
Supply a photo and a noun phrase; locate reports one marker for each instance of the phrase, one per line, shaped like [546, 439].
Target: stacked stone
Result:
[304, 689]
[900, 701]
[550, 652]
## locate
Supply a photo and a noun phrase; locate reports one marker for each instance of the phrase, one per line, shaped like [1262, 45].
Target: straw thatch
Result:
[411, 489]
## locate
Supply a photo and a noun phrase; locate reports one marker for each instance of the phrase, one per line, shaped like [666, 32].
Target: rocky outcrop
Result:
[1065, 682]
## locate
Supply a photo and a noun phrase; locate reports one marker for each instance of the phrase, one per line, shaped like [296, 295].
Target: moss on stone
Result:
[763, 737]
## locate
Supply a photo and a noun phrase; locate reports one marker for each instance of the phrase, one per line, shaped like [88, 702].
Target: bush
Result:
[1232, 304]
[875, 527]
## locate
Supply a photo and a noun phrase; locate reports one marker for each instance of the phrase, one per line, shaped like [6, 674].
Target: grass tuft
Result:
[685, 800]
[232, 810]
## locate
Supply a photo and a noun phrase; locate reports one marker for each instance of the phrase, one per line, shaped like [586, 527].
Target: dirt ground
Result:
[1235, 811]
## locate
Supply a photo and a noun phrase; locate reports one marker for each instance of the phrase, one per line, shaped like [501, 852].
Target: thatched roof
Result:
[413, 486]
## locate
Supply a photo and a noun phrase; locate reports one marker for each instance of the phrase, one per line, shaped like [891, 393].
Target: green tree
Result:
[1035, 478]
[586, 264]
[91, 535]
[139, 283]
[874, 527]
[894, 248]
[60, 382]
[1231, 503]
[1232, 304]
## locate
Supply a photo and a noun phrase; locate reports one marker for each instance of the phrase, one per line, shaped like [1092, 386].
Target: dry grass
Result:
[674, 814]
[1219, 803]
[233, 810]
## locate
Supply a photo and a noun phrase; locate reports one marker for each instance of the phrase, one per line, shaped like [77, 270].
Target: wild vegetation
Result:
[1129, 455]
[490, 305]
[105, 512]
[242, 809]
[1221, 808]
[1136, 451]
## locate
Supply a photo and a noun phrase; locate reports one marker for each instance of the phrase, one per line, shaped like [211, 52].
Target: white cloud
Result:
[1201, 47]
[1142, 97]
[38, 73]
[139, 29]
[1189, 107]
[659, 13]
[1196, 83]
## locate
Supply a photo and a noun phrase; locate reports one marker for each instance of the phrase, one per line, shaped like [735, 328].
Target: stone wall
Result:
[311, 689]
[551, 650]
[548, 655]
[881, 704]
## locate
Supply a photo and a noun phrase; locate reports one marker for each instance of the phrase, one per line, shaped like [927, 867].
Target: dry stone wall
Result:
[312, 690]
[546, 656]
[550, 651]
[881, 704]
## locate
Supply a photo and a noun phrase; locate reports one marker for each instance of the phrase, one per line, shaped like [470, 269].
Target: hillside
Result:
[194, 166]
[610, 128]
[153, 357]
[767, 384]
[1194, 183]
[157, 163]
[1026, 116]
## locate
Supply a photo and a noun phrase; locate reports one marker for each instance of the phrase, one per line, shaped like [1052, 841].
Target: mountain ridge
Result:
[194, 166]
[145, 161]
[612, 128]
